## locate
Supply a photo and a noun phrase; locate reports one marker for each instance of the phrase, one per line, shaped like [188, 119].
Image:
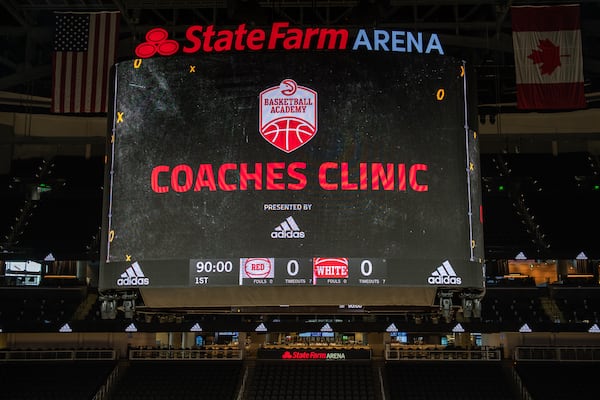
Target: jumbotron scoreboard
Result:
[306, 168]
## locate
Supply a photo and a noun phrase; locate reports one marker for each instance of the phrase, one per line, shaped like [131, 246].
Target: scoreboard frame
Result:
[285, 184]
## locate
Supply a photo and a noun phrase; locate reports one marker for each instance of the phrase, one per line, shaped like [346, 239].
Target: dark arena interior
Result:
[255, 200]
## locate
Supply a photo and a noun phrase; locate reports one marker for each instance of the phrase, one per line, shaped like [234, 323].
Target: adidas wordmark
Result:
[133, 276]
[444, 275]
[288, 229]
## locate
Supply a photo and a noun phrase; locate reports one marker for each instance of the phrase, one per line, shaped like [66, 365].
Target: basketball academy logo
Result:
[288, 115]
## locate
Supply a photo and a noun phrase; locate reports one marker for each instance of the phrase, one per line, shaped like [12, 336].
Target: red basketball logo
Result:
[288, 115]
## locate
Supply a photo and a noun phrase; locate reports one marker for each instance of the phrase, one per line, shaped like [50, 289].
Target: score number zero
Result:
[208, 267]
[366, 267]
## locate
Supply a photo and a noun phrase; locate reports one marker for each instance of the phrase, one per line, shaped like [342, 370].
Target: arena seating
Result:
[578, 304]
[560, 380]
[53, 380]
[57, 204]
[39, 305]
[521, 305]
[517, 187]
[566, 304]
[165, 380]
[448, 380]
[312, 381]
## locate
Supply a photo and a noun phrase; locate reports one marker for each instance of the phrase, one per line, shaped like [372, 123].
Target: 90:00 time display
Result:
[217, 267]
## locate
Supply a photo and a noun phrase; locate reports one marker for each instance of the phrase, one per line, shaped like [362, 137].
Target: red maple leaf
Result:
[548, 55]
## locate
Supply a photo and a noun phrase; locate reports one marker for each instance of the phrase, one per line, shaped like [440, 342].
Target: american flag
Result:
[85, 47]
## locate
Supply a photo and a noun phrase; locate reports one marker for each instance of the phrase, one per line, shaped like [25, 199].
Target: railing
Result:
[240, 394]
[523, 392]
[58, 355]
[412, 354]
[381, 384]
[105, 389]
[566, 353]
[187, 354]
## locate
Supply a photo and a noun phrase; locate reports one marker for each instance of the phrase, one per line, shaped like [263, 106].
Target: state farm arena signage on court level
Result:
[208, 39]
[314, 354]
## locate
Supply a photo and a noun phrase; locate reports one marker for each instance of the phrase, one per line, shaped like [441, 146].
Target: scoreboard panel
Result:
[292, 169]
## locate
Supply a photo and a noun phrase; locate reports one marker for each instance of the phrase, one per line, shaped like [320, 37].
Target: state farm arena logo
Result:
[313, 355]
[253, 268]
[133, 276]
[288, 115]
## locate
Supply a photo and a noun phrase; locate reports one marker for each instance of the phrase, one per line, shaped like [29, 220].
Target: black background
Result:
[373, 107]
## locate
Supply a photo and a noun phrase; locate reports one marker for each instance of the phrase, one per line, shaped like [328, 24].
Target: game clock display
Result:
[287, 271]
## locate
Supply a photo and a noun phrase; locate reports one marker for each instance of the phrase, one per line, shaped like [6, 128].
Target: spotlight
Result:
[467, 307]
[108, 308]
[129, 308]
[446, 305]
[129, 304]
[477, 307]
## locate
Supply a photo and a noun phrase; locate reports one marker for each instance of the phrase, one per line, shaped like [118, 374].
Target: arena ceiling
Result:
[479, 30]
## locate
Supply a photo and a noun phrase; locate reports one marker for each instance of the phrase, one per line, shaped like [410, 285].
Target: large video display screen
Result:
[292, 168]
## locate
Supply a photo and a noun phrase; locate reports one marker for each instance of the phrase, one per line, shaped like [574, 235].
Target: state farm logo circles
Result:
[288, 115]
[157, 42]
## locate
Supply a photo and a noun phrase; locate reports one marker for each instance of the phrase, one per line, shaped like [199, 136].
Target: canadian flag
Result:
[548, 57]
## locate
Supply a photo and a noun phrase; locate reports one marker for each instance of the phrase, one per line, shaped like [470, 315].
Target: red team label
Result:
[257, 268]
[288, 115]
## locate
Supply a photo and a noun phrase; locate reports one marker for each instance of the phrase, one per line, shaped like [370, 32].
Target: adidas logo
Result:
[288, 229]
[525, 329]
[133, 276]
[444, 275]
[261, 328]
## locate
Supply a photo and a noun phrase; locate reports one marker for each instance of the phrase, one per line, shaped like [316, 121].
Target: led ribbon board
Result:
[292, 168]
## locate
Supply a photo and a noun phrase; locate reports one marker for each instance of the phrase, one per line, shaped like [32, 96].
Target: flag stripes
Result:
[548, 57]
[85, 50]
